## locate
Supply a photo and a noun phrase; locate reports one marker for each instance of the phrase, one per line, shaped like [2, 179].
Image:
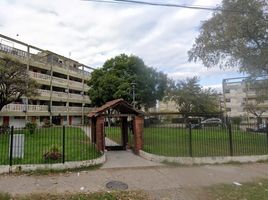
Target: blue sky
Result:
[94, 32]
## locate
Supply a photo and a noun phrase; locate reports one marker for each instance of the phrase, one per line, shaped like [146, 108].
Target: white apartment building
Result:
[63, 87]
[237, 93]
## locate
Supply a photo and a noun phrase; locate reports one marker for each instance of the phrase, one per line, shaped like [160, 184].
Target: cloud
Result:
[94, 32]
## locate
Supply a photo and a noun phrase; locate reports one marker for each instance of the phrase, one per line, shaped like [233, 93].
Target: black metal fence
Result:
[203, 136]
[57, 144]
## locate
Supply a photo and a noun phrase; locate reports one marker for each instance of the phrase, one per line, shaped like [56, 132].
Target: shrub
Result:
[31, 126]
[236, 120]
[53, 153]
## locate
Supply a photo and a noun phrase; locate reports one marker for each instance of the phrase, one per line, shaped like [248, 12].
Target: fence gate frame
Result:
[123, 111]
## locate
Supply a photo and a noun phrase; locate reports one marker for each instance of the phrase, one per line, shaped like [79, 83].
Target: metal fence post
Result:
[230, 139]
[63, 144]
[190, 140]
[267, 136]
[11, 146]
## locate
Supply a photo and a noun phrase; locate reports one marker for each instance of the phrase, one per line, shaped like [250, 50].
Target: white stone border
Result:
[202, 160]
[56, 166]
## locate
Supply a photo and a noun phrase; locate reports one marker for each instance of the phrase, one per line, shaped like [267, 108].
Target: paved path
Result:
[124, 159]
[162, 182]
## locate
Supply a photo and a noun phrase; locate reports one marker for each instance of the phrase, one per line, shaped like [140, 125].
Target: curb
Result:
[202, 160]
[57, 166]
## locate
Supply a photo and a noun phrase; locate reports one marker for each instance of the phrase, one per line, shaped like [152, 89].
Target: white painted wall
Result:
[17, 123]
[76, 120]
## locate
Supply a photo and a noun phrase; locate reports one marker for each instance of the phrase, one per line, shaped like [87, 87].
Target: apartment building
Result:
[62, 89]
[237, 93]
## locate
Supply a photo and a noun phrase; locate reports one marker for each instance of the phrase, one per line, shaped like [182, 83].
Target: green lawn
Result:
[114, 133]
[208, 141]
[257, 190]
[77, 145]
[113, 195]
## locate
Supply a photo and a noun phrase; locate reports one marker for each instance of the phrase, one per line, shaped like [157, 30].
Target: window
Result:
[228, 109]
[228, 100]
[227, 91]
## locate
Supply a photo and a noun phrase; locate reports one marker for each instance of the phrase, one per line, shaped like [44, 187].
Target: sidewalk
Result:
[160, 181]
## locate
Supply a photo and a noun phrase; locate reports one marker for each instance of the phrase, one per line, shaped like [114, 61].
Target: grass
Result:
[114, 133]
[208, 141]
[77, 145]
[114, 195]
[257, 190]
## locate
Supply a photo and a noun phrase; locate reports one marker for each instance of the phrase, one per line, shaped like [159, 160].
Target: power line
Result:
[167, 5]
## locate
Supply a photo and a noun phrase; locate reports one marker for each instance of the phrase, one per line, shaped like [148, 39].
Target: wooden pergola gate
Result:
[112, 123]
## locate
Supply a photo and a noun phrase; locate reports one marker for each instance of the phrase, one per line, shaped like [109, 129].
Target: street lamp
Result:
[133, 84]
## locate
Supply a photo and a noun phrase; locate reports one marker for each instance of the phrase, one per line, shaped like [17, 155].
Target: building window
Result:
[228, 100]
[227, 91]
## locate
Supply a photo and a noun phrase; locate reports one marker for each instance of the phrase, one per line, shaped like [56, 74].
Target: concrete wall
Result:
[76, 120]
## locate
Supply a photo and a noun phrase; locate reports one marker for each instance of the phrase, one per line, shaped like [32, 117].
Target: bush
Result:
[47, 124]
[31, 126]
[5, 196]
[4, 129]
[53, 153]
[236, 120]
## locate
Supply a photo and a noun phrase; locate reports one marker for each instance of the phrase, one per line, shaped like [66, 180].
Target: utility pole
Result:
[133, 84]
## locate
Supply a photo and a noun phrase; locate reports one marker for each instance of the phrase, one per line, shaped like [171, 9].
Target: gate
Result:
[118, 133]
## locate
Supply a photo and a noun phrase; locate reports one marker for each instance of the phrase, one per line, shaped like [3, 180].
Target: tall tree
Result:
[119, 75]
[190, 97]
[14, 82]
[235, 36]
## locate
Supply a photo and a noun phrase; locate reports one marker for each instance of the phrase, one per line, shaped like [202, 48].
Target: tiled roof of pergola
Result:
[118, 104]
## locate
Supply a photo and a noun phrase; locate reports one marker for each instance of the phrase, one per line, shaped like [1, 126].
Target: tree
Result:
[14, 82]
[256, 111]
[119, 75]
[190, 97]
[235, 36]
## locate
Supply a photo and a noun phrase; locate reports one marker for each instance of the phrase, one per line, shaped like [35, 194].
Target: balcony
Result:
[24, 108]
[59, 81]
[43, 78]
[21, 109]
[75, 85]
[14, 51]
[36, 59]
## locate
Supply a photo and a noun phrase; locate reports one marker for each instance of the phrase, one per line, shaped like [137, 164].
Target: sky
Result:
[91, 33]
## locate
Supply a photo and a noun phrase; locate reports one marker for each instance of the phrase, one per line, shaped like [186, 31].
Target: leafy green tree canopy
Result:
[190, 97]
[115, 80]
[14, 82]
[236, 36]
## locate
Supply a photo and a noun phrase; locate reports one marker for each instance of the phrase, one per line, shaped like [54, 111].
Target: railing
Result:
[59, 81]
[45, 93]
[24, 55]
[75, 84]
[13, 51]
[59, 94]
[166, 136]
[22, 107]
[42, 108]
[59, 108]
[76, 96]
[46, 145]
[41, 76]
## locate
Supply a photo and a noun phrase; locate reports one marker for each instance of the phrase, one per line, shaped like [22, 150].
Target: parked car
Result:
[262, 128]
[211, 122]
